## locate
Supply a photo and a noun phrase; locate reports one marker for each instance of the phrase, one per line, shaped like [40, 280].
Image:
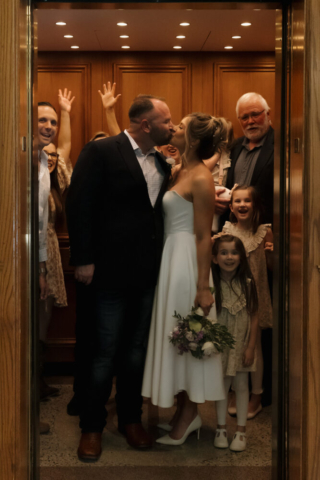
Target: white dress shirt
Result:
[44, 190]
[151, 169]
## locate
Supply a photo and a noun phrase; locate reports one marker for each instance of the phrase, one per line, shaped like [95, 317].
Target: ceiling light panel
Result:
[99, 31]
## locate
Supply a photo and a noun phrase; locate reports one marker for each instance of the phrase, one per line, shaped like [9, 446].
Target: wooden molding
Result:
[185, 70]
[85, 71]
[221, 68]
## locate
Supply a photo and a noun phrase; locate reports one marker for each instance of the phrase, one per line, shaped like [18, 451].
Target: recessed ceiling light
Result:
[61, 23]
[177, 47]
[75, 46]
[122, 24]
[246, 24]
[125, 46]
[124, 36]
[257, 9]
[236, 36]
[228, 47]
[189, 9]
[185, 24]
[181, 36]
[68, 36]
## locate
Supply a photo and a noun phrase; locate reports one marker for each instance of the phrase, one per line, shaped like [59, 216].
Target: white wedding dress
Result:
[167, 373]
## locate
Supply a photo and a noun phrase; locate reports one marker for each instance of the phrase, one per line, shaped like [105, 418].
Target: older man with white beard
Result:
[252, 159]
[252, 155]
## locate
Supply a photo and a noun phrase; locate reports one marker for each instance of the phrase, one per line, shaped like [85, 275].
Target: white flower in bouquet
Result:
[199, 312]
[176, 329]
[209, 348]
[193, 346]
[189, 336]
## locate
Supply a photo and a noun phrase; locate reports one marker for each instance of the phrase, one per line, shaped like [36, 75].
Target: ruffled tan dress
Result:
[254, 246]
[55, 277]
[235, 317]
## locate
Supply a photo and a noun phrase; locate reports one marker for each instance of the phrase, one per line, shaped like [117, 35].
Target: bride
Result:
[184, 280]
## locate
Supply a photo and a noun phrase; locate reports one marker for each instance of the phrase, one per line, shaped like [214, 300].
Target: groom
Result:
[116, 233]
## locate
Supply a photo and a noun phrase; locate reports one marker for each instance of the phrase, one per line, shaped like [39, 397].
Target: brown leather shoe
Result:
[90, 447]
[137, 437]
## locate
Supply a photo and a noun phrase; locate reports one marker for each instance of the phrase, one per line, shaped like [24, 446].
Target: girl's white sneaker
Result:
[220, 440]
[239, 442]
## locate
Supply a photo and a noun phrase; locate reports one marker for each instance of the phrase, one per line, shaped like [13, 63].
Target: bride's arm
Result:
[203, 193]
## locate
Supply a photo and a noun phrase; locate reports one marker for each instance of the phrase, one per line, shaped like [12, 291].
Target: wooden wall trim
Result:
[311, 256]
[185, 69]
[14, 241]
[220, 68]
[85, 71]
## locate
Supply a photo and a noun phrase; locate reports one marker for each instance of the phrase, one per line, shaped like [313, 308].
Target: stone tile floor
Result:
[59, 447]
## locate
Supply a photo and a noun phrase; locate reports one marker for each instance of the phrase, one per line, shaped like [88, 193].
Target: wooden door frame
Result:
[18, 263]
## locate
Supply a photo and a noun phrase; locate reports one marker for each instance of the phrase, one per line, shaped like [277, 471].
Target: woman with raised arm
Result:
[60, 169]
[184, 280]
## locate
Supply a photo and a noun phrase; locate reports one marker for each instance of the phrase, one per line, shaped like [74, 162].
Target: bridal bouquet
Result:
[199, 335]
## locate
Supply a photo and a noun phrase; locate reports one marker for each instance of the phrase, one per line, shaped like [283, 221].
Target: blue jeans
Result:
[122, 328]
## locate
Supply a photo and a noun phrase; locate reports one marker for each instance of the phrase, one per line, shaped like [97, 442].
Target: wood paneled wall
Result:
[209, 82]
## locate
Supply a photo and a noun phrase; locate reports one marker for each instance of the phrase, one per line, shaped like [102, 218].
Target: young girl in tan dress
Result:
[237, 305]
[244, 223]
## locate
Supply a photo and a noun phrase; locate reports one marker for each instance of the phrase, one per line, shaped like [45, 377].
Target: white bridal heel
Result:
[165, 426]
[194, 425]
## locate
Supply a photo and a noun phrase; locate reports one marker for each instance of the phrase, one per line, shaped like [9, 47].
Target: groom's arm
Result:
[82, 204]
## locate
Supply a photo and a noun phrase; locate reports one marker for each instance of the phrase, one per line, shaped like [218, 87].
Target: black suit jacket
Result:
[111, 221]
[262, 177]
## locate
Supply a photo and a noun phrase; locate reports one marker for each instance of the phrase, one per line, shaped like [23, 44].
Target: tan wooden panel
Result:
[171, 82]
[77, 79]
[232, 81]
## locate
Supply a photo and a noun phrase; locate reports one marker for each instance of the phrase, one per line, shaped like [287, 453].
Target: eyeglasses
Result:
[52, 154]
[253, 115]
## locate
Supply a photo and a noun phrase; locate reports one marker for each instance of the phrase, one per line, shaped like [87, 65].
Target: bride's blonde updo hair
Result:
[210, 131]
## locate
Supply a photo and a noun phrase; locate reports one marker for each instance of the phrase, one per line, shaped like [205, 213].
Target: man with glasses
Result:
[252, 155]
[252, 164]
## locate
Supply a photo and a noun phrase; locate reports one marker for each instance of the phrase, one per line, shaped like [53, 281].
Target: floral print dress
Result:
[55, 277]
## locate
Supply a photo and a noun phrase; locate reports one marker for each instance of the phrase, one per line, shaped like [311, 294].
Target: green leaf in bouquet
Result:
[195, 325]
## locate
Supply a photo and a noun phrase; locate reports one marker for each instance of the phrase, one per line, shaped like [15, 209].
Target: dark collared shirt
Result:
[246, 162]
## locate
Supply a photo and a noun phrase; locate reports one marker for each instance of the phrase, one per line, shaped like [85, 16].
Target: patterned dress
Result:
[55, 278]
[254, 246]
[235, 317]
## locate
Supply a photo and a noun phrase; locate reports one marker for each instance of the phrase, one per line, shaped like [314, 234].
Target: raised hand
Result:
[65, 100]
[108, 96]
